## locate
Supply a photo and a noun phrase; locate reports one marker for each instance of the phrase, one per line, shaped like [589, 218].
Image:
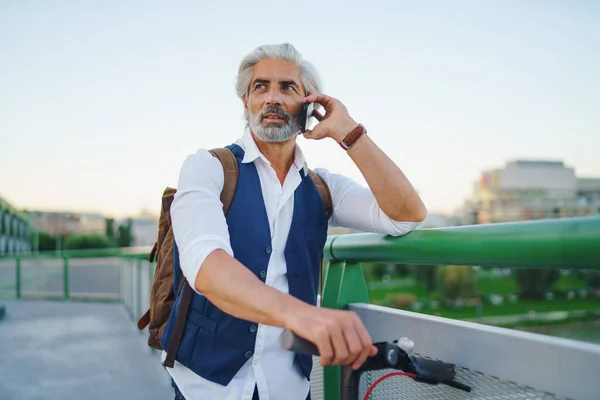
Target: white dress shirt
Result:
[200, 227]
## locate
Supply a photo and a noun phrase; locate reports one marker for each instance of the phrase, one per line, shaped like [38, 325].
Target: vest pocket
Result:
[205, 324]
[198, 327]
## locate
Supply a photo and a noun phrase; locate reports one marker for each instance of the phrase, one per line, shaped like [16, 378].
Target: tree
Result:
[457, 282]
[591, 278]
[533, 283]
[110, 227]
[73, 242]
[125, 233]
[46, 242]
[426, 274]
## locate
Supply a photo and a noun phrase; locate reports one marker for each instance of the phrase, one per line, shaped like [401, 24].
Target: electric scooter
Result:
[390, 355]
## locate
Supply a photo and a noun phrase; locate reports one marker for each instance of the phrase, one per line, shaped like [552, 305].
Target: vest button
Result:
[268, 249]
[263, 274]
[253, 328]
[248, 354]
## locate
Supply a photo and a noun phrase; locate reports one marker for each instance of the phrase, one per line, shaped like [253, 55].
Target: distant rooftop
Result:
[64, 214]
[536, 163]
[588, 183]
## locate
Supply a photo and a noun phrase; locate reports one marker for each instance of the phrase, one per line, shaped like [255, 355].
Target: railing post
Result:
[139, 289]
[121, 281]
[353, 286]
[331, 290]
[18, 278]
[66, 278]
[150, 275]
[344, 284]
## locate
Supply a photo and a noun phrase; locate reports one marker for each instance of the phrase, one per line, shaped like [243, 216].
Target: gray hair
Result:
[285, 51]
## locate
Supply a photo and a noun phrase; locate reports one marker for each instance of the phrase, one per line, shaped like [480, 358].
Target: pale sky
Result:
[101, 101]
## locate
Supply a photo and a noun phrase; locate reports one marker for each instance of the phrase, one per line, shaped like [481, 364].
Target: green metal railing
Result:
[68, 275]
[552, 243]
[557, 243]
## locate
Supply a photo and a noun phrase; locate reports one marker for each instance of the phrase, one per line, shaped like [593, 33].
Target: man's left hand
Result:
[336, 123]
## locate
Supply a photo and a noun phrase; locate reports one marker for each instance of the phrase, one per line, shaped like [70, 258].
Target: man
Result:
[255, 271]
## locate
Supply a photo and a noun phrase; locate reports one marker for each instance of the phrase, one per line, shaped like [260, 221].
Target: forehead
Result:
[276, 70]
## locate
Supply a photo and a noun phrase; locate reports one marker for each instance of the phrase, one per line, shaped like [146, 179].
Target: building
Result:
[17, 233]
[530, 189]
[144, 229]
[63, 223]
[436, 220]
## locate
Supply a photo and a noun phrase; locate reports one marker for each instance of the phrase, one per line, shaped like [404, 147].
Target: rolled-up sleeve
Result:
[355, 207]
[199, 225]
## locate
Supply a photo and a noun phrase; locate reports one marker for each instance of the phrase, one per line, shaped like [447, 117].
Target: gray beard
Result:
[272, 133]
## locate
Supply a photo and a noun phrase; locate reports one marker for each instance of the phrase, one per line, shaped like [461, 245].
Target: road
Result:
[68, 350]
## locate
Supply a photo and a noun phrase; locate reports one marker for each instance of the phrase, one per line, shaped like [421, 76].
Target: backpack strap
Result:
[324, 192]
[231, 174]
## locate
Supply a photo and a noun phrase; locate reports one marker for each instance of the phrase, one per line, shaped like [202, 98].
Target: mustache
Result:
[275, 110]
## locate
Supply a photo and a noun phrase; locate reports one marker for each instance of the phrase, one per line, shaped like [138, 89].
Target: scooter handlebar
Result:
[293, 342]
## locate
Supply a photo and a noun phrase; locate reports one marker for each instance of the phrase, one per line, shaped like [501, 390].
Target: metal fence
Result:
[498, 363]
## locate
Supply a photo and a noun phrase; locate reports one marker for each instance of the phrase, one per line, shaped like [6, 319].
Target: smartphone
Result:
[306, 115]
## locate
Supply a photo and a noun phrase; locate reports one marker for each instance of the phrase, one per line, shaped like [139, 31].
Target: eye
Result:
[288, 88]
[259, 86]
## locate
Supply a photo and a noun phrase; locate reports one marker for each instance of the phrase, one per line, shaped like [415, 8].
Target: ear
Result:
[246, 104]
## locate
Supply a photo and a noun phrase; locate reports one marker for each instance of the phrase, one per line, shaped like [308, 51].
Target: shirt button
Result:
[253, 328]
[268, 249]
[263, 274]
[248, 354]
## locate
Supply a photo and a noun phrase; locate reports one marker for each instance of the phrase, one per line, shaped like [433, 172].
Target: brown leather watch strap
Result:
[352, 137]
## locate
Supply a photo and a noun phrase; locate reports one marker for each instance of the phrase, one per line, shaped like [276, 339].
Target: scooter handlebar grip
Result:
[292, 342]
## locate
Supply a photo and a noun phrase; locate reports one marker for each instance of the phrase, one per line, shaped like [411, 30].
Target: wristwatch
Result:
[353, 136]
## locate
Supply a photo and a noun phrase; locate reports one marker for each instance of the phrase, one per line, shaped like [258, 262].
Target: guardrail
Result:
[558, 243]
[551, 243]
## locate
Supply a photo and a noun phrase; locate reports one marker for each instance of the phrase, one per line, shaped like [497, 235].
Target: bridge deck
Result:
[63, 350]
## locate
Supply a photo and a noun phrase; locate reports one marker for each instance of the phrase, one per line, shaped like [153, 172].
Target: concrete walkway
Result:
[67, 351]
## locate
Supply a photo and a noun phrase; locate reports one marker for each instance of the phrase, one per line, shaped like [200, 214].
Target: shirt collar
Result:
[251, 153]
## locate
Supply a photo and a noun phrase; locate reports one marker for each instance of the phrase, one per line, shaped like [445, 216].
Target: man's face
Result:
[274, 100]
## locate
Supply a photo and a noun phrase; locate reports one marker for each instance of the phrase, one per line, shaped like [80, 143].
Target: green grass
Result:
[488, 284]
[496, 285]
[521, 307]
[569, 282]
[378, 294]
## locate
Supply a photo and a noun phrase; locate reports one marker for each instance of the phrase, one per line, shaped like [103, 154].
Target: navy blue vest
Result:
[215, 345]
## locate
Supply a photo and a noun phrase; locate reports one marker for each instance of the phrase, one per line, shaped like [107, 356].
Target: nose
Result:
[273, 97]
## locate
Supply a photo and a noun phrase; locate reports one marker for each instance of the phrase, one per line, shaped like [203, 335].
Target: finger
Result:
[307, 133]
[326, 101]
[325, 348]
[315, 134]
[354, 345]
[340, 348]
[368, 349]
[362, 356]
[373, 351]
[318, 116]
